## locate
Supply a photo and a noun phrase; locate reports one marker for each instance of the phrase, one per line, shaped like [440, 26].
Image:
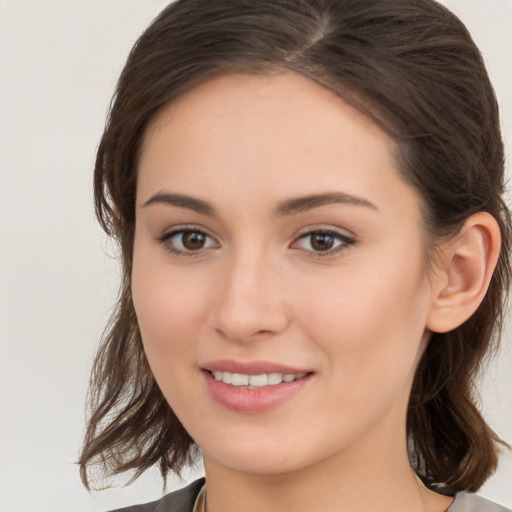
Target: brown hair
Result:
[412, 67]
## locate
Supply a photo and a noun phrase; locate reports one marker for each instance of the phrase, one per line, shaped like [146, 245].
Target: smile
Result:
[254, 387]
[255, 381]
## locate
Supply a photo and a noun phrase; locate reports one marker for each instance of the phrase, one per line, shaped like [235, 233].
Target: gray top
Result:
[183, 501]
[465, 502]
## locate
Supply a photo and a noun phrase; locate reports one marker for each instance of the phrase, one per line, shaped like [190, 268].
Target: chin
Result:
[257, 462]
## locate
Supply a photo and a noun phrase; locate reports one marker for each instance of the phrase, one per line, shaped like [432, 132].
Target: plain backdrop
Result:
[59, 61]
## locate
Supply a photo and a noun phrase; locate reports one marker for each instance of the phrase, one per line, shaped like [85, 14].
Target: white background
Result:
[59, 60]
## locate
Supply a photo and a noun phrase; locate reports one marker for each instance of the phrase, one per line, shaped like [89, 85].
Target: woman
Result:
[308, 199]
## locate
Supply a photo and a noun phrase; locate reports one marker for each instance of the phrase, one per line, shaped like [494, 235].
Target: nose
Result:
[250, 301]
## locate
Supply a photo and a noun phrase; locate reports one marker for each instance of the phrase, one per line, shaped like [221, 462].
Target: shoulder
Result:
[177, 501]
[465, 502]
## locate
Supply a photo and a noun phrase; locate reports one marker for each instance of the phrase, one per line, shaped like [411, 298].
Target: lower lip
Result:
[241, 399]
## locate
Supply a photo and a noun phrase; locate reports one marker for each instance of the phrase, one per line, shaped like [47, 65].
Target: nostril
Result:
[262, 332]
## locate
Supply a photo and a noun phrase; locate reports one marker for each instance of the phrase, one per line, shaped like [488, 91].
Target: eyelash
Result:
[344, 242]
[166, 241]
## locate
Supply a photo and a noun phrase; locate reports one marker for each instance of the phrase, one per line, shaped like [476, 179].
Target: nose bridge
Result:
[249, 302]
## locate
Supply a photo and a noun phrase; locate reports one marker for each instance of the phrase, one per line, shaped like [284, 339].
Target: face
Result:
[278, 274]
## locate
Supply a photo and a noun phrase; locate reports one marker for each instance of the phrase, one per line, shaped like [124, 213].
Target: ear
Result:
[463, 272]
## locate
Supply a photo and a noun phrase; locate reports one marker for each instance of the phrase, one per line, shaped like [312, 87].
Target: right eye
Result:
[186, 242]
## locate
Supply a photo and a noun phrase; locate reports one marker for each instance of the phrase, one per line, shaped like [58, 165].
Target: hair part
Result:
[412, 68]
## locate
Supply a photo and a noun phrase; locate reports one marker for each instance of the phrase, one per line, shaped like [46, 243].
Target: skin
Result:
[355, 316]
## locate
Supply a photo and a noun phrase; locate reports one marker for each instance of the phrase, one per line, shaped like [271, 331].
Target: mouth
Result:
[253, 387]
[262, 380]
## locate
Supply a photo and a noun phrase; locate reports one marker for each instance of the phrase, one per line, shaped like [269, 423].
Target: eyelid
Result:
[345, 241]
[167, 235]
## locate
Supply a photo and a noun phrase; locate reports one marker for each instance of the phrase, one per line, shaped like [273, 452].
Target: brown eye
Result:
[321, 241]
[193, 240]
[328, 242]
[186, 241]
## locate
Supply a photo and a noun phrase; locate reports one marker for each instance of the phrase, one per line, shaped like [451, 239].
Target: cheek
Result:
[170, 312]
[370, 320]
[168, 321]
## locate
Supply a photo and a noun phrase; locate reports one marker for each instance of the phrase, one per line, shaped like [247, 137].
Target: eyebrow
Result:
[301, 204]
[288, 207]
[182, 201]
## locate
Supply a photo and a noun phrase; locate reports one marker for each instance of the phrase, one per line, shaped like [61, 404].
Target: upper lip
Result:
[251, 367]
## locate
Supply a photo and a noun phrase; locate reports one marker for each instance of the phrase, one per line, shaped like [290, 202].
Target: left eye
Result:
[323, 241]
[185, 241]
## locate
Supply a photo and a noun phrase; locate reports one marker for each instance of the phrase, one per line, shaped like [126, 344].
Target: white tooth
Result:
[300, 375]
[239, 379]
[288, 377]
[217, 375]
[227, 377]
[258, 381]
[274, 378]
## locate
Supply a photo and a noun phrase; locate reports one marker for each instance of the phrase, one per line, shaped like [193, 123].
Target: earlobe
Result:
[467, 263]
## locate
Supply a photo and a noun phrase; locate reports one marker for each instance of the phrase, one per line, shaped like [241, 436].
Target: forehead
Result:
[265, 136]
[287, 98]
